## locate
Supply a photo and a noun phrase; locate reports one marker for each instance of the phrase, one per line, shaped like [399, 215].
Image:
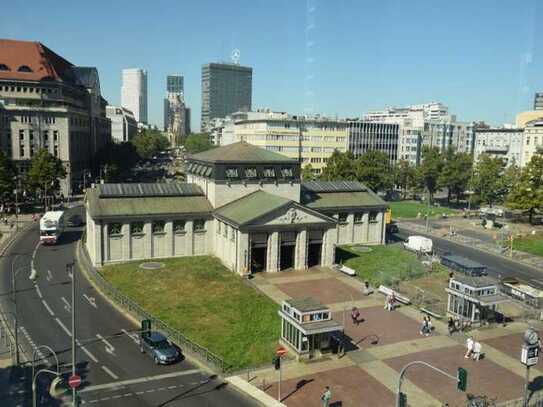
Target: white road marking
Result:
[38, 291]
[67, 305]
[132, 336]
[109, 372]
[139, 380]
[109, 347]
[34, 254]
[49, 276]
[87, 352]
[537, 281]
[91, 300]
[63, 327]
[48, 308]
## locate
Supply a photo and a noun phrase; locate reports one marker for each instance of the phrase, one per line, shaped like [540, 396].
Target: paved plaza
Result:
[381, 344]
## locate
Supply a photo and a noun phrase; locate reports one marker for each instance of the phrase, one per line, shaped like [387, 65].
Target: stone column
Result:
[98, 244]
[148, 240]
[169, 242]
[273, 253]
[366, 227]
[383, 228]
[301, 250]
[329, 241]
[189, 238]
[125, 242]
[243, 253]
[350, 225]
[107, 252]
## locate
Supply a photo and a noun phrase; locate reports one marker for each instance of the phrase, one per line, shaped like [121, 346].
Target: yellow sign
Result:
[388, 216]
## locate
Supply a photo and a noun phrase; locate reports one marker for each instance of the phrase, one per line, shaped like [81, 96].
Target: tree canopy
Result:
[45, 171]
[150, 142]
[487, 182]
[340, 166]
[373, 169]
[527, 193]
[455, 173]
[197, 142]
[430, 168]
[118, 159]
[7, 176]
[308, 174]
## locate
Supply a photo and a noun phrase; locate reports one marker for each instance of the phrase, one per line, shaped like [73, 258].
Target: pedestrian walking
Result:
[425, 328]
[390, 301]
[469, 345]
[355, 315]
[326, 397]
[451, 325]
[477, 347]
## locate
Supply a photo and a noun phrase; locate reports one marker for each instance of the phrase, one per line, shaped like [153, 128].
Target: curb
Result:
[255, 393]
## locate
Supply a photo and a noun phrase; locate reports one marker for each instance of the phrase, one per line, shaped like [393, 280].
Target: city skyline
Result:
[483, 68]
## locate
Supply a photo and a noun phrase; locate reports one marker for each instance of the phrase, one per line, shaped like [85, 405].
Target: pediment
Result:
[292, 215]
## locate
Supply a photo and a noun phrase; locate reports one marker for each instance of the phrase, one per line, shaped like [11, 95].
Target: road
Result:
[113, 370]
[497, 265]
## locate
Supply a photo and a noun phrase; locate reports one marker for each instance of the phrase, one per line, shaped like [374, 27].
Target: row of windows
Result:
[234, 172]
[358, 217]
[32, 150]
[45, 136]
[158, 226]
[226, 231]
[29, 89]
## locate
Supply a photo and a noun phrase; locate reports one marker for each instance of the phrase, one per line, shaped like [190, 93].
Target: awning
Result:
[312, 328]
[484, 300]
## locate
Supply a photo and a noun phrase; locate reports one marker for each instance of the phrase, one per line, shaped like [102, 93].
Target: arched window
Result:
[4, 67]
[24, 68]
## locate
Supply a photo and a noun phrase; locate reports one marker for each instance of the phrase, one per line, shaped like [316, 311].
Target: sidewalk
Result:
[381, 346]
[470, 241]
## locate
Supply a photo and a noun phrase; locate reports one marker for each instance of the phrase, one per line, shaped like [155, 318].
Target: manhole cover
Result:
[151, 265]
[362, 249]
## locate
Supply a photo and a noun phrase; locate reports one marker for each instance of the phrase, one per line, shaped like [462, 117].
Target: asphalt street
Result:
[497, 265]
[113, 370]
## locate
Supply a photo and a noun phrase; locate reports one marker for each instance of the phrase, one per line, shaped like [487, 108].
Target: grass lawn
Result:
[410, 209]
[383, 264]
[530, 244]
[208, 303]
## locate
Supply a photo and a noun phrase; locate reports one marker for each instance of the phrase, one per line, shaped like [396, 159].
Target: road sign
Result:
[74, 381]
[281, 351]
[529, 355]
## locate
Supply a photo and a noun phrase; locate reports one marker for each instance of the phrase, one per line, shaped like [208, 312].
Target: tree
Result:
[340, 166]
[527, 194]
[308, 174]
[487, 182]
[150, 142]
[118, 159]
[456, 173]
[403, 173]
[7, 176]
[45, 171]
[197, 142]
[430, 169]
[373, 169]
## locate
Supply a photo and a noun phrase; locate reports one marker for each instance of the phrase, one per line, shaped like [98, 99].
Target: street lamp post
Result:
[70, 268]
[52, 353]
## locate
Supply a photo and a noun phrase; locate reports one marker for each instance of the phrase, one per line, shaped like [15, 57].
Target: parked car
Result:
[159, 348]
[419, 244]
[75, 220]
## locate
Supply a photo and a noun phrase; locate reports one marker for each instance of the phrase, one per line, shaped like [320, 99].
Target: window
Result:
[21, 134]
[31, 135]
[114, 228]
[373, 216]
[269, 172]
[136, 228]
[199, 225]
[358, 216]
[250, 172]
[55, 151]
[21, 150]
[24, 68]
[158, 226]
[286, 172]
[342, 217]
[231, 173]
[55, 135]
[179, 226]
[4, 67]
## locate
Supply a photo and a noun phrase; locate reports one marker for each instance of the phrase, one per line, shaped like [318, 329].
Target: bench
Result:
[389, 291]
[346, 270]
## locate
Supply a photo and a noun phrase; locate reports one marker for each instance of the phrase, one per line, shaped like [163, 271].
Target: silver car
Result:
[159, 348]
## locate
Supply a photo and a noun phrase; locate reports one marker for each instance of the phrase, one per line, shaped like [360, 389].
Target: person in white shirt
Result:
[469, 345]
[476, 354]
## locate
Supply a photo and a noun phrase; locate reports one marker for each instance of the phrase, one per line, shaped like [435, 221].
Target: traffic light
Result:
[276, 362]
[462, 379]
[403, 400]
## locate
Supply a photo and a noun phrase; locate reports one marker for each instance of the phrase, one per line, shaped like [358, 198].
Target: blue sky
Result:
[482, 58]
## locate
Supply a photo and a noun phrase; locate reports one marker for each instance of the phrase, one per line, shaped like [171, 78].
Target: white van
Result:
[419, 244]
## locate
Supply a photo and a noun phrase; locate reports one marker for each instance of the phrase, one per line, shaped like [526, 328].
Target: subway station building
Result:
[241, 203]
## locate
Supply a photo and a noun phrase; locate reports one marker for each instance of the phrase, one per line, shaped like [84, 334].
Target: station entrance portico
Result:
[287, 254]
[259, 252]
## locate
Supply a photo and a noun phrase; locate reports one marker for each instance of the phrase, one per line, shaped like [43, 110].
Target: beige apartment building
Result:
[48, 103]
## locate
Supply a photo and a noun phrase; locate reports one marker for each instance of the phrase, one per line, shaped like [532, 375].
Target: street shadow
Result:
[336, 404]
[343, 255]
[372, 339]
[69, 237]
[192, 391]
[535, 385]
[299, 385]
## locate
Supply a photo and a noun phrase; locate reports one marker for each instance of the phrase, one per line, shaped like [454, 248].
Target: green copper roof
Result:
[251, 206]
[143, 206]
[333, 200]
[241, 152]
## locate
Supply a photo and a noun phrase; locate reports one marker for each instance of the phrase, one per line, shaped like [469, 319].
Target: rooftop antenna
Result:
[234, 56]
